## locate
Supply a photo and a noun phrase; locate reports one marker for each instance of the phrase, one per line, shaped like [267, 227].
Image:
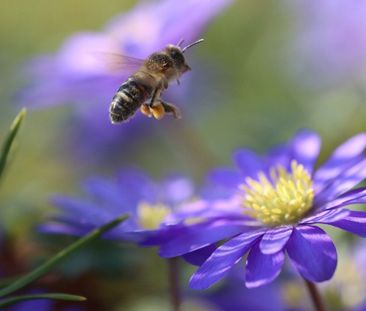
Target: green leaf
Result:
[54, 296]
[8, 142]
[59, 257]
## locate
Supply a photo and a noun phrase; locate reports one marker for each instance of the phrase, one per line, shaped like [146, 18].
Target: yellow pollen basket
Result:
[151, 216]
[282, 200]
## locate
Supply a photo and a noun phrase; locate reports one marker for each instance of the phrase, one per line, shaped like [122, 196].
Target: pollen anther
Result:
[281, 198]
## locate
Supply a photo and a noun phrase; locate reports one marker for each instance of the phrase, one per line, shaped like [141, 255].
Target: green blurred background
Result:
[248, 98]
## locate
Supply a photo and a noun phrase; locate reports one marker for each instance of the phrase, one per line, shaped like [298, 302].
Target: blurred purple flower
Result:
[330, 42]
[82, 71]
[282, 198]
[149, 204]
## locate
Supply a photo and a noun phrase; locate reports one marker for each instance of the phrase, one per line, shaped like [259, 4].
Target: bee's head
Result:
[175, 52]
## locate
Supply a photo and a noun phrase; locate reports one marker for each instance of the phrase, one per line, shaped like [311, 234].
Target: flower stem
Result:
[174, 289]
[315, 296]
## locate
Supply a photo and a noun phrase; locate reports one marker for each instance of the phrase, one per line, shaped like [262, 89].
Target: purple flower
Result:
[283, 198]
[331, 39]
[84, 72]
[150, 205]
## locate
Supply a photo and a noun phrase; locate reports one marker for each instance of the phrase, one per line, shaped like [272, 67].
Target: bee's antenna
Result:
[192, 44]
[180, 42]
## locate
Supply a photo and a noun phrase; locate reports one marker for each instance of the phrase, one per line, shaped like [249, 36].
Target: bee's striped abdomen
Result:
[129, 97]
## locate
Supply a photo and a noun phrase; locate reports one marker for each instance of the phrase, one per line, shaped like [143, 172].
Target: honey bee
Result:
[144, 87]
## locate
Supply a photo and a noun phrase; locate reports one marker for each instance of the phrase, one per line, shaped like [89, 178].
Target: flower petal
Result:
[199, 256]
[176, 189]
[249, 163]
[201, 235]
[355, 223]
[107, 194]
[225, 177]
[305, 148]
[355, 195]
[135, 186]
[347, 154]
[221, 260]
[326, 216]
[275, 239]
[262, 269]
[279, 155]
[82, 212]
[349, 178]
[313, 253]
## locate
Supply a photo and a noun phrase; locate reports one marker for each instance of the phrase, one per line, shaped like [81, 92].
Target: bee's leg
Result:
[155, 95]
[170, 108]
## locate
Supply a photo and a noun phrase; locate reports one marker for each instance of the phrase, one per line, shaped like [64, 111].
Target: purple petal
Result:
[197, 236]
[107, 194]
[342, 158]
[176, 189]
[326, 216]
[354, 195]
[275, 239]
[346, 180]
[198, 257]
[305, 148]
[279, 155]
[355, 223]
[83, 212]
[225, 177]
[249, 163]
[135, 186]
[221, 260]
[262, 269]
[313, 253]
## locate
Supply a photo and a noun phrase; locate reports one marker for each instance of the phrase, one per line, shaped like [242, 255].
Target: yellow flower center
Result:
[151, 216]
[282, 199]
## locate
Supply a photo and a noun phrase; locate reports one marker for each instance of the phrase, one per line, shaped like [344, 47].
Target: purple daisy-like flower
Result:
[86, 70]
[149, 204]
[283, 198]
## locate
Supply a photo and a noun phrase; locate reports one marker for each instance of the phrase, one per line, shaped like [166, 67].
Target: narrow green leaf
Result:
[9, 139]
[54, 296]
[59, 257]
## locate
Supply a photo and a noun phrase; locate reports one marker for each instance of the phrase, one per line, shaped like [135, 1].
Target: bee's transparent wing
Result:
[119, 63]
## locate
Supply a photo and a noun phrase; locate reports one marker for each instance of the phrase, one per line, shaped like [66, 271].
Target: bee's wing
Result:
[119, 63]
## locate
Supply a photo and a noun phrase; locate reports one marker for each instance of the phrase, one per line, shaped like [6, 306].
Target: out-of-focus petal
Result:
[305, 147]
[176, 189]
[201, 235]
[274, 240]
[226, 177]
[249, 163]
[313, 253]
[136, 186]
[107, 194]
[279, 155]
[83, 212]
[262, 269]
[221, 260]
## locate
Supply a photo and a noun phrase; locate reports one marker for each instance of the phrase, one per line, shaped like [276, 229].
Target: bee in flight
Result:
[144, 87]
